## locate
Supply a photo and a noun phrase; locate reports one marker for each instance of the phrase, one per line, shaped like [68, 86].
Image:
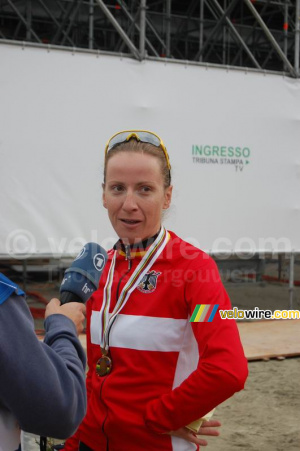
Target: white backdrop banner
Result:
[233, 139]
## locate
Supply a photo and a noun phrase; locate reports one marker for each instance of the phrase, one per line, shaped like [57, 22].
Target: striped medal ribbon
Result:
[104, 364]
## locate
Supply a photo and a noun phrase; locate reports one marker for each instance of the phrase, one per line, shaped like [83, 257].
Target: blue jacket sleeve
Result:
[41, 383]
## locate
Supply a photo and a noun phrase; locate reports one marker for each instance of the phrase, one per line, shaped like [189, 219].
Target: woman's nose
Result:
[129, 203]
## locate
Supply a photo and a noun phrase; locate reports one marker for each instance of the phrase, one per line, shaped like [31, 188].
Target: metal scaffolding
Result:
[259, 34]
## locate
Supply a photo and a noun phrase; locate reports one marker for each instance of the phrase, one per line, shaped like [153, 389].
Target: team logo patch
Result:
[148, 282]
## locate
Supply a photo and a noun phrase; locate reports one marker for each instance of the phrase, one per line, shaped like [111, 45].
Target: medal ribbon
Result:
[149, 258]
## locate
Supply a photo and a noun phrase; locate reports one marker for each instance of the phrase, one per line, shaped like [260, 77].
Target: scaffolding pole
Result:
[168, 29]
[119, 29]
[25, 22]
[71, 21]
[152, 28]
[224, 16]
[271, 38]
[237, 35]
[91, 24]
[134, 24]
[216, 27]
[224, 37]
[29, 19]
[201, 29]
[297, 37]
[291, 279]
[142, 28]
[59, 25]
[285, 30]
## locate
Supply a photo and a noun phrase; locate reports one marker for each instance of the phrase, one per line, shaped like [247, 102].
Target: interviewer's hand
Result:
[206, 429]
[73, 310]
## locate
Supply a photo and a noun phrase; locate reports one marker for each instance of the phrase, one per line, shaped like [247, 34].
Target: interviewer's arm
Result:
[42, 384]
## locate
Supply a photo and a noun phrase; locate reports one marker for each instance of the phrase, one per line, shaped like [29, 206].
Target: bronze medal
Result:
[103, 366]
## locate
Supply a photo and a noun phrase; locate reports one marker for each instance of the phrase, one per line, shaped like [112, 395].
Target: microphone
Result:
[82, 278]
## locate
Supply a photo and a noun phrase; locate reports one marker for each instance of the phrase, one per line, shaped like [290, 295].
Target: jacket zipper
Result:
[105, 415]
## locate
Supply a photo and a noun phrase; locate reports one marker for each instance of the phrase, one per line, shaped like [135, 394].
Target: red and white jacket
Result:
[167, 371]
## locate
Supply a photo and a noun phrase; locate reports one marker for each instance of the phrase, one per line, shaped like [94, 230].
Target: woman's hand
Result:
[205, 429]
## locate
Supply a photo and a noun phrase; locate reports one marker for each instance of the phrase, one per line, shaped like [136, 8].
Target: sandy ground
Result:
[265, 416]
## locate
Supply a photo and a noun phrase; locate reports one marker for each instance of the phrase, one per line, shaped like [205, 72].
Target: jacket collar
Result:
[139, 249]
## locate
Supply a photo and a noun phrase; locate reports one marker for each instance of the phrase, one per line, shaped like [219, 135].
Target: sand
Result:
[265, 416]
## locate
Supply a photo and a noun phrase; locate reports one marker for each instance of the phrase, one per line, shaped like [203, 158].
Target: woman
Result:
[145, 381]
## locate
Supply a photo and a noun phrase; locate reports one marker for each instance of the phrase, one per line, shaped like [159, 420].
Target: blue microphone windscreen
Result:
[82, 277]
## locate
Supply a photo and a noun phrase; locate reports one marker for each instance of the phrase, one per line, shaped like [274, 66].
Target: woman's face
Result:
[134, 195]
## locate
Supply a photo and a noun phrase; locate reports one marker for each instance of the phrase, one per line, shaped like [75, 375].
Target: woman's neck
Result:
[137, 246]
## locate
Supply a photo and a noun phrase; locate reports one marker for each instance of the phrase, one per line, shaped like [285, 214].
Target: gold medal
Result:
[103, 366]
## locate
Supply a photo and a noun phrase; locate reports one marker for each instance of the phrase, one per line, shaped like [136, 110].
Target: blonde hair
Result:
[140, 147]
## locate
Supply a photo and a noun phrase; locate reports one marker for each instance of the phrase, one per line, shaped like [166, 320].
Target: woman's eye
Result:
[117, 188]
[145, 189]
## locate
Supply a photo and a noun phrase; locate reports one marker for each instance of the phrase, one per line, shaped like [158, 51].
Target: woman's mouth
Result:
[130, 221]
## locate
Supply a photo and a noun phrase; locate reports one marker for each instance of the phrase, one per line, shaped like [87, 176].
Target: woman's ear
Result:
[103, 196]
[168, 197]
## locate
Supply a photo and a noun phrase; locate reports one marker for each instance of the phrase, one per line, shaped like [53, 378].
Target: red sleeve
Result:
[222, 368]
[72, 444]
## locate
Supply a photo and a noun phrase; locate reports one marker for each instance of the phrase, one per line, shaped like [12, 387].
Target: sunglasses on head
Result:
[140, 135]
